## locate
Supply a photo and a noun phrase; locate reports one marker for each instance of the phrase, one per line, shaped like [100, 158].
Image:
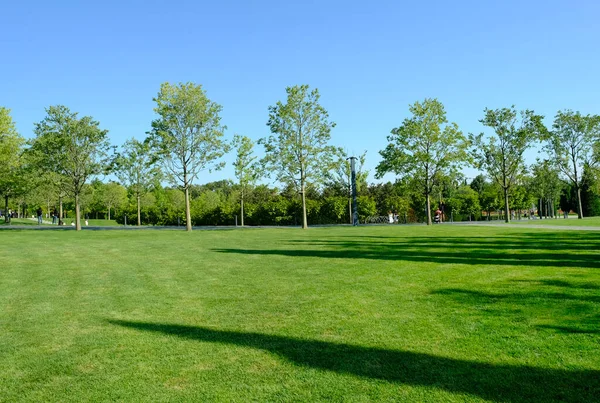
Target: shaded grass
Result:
[103, 223]
[572, 221]
[19, 221]
[381, 313]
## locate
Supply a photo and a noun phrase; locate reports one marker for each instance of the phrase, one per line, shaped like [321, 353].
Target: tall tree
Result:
[425, 146]
[187, 134]
[571, 144]
[501, 156]
[545, 185]
[113, 196]
[136, 169]
[71, 147]
[246, 166]
[298, 150]
[11, 162]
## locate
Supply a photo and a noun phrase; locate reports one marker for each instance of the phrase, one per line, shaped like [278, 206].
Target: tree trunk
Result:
[60, 210]
[506, 208]
[350, 210]
[242, 208]
[139, 211]
[108, 213]
[579, 206]
[304, 219]
[6, 219]
[188, 214]
[428, 209]
[77, 217]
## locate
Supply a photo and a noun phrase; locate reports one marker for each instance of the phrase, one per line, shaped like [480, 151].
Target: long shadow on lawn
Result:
[501, 383]
[520, 249]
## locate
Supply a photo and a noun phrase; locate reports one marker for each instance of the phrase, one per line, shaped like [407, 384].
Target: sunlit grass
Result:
[404, 313]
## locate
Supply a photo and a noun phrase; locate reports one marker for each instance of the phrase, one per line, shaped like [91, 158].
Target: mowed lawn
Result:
[572, 221]
[389, 313]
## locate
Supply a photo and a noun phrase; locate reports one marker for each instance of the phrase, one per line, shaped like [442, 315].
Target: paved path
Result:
[231, 227]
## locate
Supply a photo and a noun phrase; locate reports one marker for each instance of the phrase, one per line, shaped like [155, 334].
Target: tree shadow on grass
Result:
[419, 254]
[521, 249]
[486, 296]
[500, 383]
[569, 330]
[562, 283]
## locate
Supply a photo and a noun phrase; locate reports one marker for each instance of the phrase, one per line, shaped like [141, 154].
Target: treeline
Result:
[59, 168]
[218, 203]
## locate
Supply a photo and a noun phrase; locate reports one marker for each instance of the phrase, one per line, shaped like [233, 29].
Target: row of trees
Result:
[426, 147]
[187, 138]
[218, 203]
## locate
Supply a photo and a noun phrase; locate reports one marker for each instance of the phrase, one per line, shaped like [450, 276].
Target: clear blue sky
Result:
[368, 59]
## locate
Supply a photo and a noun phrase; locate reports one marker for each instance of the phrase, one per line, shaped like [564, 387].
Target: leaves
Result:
[246, 167]
[298, 152]
[187, 135]
[573, 143]
[425, 147]
[70, 147]
[136, 167]
[502, 154]
[299, 149]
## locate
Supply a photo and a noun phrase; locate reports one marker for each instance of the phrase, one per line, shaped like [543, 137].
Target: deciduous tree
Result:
[11, 161]
[71, 147]
[424, 146]
[571, 144]
[298, 150]
[135, 166]
[187, 134]
[501, 155]
[247, 169]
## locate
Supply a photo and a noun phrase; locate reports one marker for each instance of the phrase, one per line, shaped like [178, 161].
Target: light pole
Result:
[353, 181]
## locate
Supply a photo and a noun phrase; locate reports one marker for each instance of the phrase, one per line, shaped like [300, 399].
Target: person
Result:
[39, 215]
[53, 216]
[438, 216]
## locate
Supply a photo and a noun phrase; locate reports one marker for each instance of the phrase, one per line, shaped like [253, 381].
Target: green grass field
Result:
[19, 221]
[390, 313]
[102, 223]
[47, 221]
[572, 221]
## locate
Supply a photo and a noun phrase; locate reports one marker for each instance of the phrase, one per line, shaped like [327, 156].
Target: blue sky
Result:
[370, 60]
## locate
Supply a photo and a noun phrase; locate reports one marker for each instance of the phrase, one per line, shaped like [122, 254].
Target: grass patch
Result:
[572, 221]
[103, 223]
[401, 313]
[20, 221]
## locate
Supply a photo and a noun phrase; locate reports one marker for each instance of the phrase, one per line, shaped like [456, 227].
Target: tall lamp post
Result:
[353, 180]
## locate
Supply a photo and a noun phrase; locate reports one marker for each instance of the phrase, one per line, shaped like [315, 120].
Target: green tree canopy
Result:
[573, 144]
[246, 167]
[501, 155]
[135, 166]
[11, 161]
[298, 150]
[73, 148]
[187, 135]
[424, 147]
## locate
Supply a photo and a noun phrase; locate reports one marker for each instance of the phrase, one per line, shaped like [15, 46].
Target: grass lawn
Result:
[571, 221]
[19, 221]
[390, 313]
[102, 223]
